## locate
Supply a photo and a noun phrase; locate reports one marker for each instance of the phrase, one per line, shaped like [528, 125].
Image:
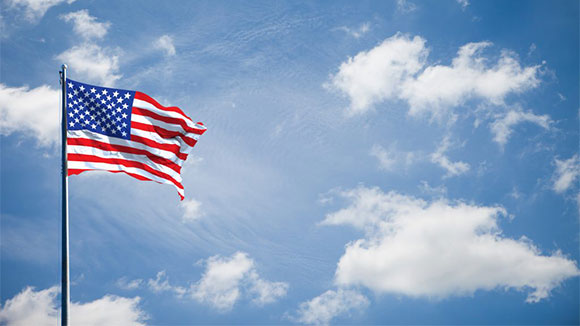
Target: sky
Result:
[366, 162]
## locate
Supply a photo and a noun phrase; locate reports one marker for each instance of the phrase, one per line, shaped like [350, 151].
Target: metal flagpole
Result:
[65, 287]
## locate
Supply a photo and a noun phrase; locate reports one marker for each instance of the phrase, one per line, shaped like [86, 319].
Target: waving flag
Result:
[127, 131]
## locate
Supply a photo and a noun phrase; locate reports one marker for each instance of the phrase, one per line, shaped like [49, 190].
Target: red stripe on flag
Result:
[164, 133]
[175, 149]
[147, 98]
[134, 164]
[175, 121]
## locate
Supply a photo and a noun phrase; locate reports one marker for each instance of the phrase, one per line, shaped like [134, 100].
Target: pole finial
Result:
[64, 66]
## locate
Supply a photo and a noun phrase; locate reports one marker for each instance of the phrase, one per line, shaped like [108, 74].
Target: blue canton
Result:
[102, 110]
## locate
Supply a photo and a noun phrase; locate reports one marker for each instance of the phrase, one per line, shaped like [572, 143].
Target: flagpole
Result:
[65, 287]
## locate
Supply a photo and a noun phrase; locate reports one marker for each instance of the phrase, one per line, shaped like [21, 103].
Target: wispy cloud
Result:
[439, 158]
[34, 10]
[86, 25]
[161, 284]
[125, 284]
[406, 6]
[419, 249]
[325, 307]
[356, 32]
[463, 3]
[566, 174]
[191, 210]
[437, 192]
[165, 44]
[503, 126]
[391, 159]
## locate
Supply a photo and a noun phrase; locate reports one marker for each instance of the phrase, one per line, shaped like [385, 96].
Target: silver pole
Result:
[65, 287]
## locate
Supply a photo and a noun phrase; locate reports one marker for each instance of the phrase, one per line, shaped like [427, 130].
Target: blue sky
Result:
[369, 162]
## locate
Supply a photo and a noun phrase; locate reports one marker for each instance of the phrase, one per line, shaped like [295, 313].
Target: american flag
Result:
[127, 131]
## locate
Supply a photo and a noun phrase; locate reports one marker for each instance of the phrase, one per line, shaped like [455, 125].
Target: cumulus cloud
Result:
[373, 76]
[92, 63]
[502, 127]
[34, 10]
[31, 307]
[567, 172]
[86, 25]
[452, 168]
[356, 32]
[330, 304]
[89, 61]
[439, 249]
[225, 278]
[191, 210]
[396, 70]
[33, 112]
[165, 43]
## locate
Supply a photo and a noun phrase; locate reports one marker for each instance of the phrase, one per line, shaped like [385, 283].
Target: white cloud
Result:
[31, 307]
[532, 49]
[165, 43]
[406, 6]
[502, 127]
[439, 249]
[386, 159]
[35, 9]
[220, 283]
[464, 3]
[125, 284]
[438, 192]
[330, 304]
[225, 279]
[373, 76]
[86, 25]
[191, 210]
[468, 77]
[567, 172]
[34, 112]
[161, 284]
[265, 292]
[561, 97]
[356, 32]
[390, 159]
[396, 70]
[439, 158]
[92, 63]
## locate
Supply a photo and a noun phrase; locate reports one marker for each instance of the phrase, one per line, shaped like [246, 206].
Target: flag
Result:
[118, 130]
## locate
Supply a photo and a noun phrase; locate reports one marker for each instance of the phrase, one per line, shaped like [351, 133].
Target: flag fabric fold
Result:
[125, 131]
